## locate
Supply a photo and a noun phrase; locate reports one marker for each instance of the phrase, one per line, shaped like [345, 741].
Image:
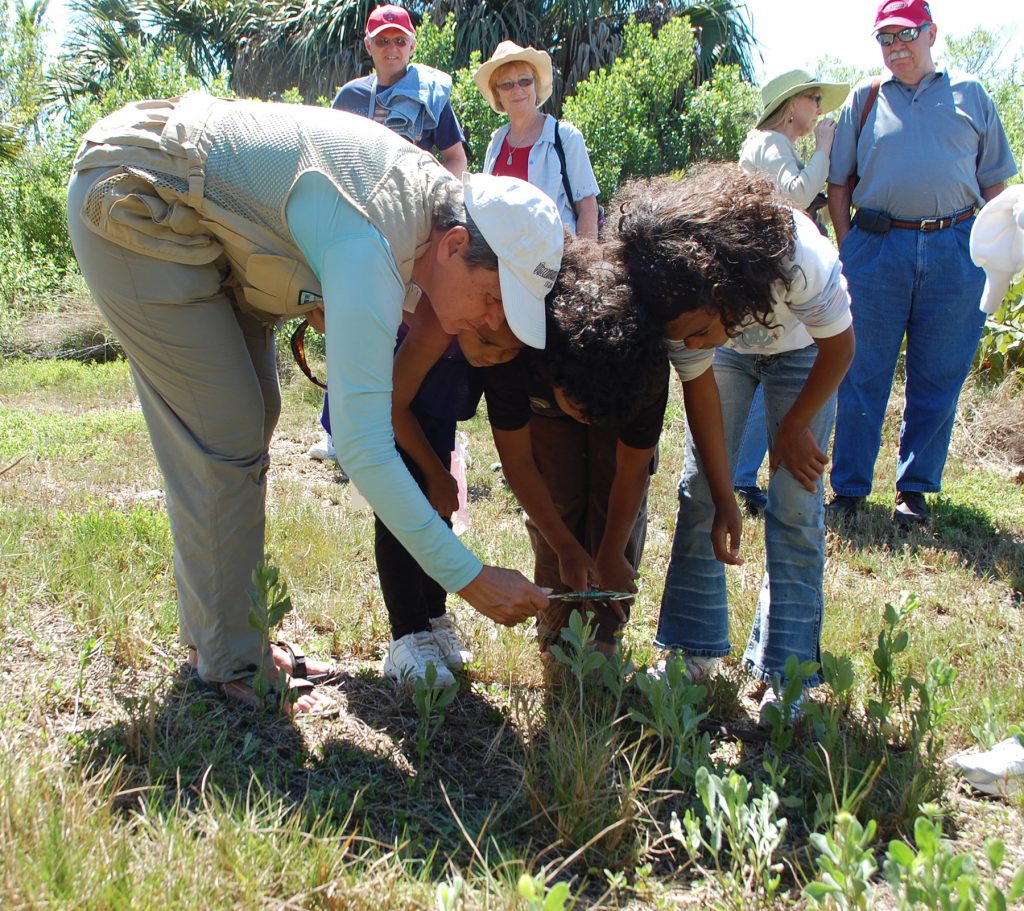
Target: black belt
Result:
[932, 224]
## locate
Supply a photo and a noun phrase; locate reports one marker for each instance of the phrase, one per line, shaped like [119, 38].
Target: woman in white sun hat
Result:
[793, 102]
[549, 153]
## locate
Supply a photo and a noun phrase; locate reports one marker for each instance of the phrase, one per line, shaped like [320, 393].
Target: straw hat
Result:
[508, 52]
[784, 87]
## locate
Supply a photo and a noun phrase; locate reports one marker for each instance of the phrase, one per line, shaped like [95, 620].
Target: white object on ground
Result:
[999, 771]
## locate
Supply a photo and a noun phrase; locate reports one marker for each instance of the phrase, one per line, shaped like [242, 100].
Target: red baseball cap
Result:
[904, 13]
[385, 17]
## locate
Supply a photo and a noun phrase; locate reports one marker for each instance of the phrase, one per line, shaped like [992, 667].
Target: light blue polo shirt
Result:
[924, 152]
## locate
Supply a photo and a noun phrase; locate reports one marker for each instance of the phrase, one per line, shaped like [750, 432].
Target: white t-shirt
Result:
[816, 305]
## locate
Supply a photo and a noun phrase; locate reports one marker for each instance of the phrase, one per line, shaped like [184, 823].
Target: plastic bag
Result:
[460, 461]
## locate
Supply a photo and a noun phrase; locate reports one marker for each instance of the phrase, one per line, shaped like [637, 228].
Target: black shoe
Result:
[911, 508]
[754, 499]
[842, 507]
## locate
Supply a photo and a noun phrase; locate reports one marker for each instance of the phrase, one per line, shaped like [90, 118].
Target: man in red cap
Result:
[916, 154]
[409, 98]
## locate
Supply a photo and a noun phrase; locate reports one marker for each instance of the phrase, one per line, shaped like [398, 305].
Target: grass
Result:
[123, 786]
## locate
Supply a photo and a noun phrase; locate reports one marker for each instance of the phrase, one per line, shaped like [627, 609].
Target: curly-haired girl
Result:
[720, 261]
[576, 426]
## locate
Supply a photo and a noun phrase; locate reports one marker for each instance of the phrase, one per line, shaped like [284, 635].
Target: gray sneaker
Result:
[698, 667]
[407, 658]
[453, 651]
[771, 699]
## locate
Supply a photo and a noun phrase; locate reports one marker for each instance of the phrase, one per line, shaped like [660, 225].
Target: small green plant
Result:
[431, 703]
[782, 717]
[846, 864]
[892, 641]
[737, 834]
[448, 893]
[269, 602]
[986, 731]
[539, 897]
[935, 877]
[671, 712]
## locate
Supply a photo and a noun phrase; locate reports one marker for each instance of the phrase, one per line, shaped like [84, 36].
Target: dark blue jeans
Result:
[923, 286]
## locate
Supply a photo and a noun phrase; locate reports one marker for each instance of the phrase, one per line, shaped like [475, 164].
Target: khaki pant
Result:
[577, 463]
[207, 382]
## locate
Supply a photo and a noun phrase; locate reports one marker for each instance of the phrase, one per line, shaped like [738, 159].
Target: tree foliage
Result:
[317, 46]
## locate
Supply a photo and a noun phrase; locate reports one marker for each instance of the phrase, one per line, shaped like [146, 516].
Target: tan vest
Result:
[199, 180]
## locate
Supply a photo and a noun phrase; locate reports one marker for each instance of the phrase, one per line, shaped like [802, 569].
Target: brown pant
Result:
[577, 463]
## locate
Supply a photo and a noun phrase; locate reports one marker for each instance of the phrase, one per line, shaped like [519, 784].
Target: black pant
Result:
[411, 596]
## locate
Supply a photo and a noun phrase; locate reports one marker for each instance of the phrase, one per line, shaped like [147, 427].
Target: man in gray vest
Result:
[928, 149]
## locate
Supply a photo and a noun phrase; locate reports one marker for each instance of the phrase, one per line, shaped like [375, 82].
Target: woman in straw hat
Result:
[793, 102]
[536, 147]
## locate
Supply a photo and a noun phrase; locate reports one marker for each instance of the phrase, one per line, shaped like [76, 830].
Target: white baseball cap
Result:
[521, 225]
[997, 244]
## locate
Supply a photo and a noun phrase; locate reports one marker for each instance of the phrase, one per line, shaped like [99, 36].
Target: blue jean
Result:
[923, 286]
[790, 609]
[754, 446]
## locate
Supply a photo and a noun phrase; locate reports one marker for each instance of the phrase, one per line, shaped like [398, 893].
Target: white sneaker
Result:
[452, 650]
[999, 771]
[324, 450]
[771, 698]
[698, 667]
[407, 659]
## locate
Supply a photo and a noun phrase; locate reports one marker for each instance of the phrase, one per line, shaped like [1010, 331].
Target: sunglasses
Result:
[524, 82]
[299, 353]
[906, 35]
[385, 40]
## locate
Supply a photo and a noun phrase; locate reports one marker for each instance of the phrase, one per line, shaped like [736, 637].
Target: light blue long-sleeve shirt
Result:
[363, 297]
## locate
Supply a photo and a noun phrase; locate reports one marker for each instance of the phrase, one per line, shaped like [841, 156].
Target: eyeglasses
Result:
[385, 40]
[906, 35]
[524, 82]
[815, 98]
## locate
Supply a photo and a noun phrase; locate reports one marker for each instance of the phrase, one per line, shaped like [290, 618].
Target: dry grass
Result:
[160, 795]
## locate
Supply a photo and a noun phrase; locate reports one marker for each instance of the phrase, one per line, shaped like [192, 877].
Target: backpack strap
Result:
[560, 152]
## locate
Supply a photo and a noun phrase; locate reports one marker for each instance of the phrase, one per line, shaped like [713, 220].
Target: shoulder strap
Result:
[560, 152]
[876, 84]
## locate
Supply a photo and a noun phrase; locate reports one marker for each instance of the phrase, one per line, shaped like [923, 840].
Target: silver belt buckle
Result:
[925, 222]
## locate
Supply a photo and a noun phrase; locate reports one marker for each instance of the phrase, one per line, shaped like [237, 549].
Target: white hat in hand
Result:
[997, 244]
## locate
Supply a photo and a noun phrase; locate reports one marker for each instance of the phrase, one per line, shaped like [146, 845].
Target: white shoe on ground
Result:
[999, 771]
[771, 698]
[323, 451]
[698, 667]
[407, 658]
[453, 652]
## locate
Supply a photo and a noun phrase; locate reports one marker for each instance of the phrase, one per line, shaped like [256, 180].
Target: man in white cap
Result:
[928, 149]
[198, 223]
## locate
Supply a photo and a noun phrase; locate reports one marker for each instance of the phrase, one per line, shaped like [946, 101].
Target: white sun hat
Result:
[522, 226]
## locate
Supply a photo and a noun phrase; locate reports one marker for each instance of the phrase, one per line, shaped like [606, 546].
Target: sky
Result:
[797, 33]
